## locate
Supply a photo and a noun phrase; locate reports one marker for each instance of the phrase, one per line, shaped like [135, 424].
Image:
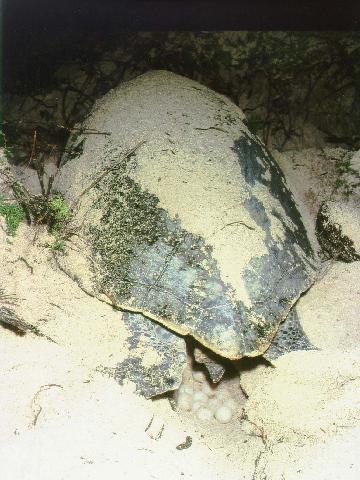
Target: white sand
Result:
[61, 418]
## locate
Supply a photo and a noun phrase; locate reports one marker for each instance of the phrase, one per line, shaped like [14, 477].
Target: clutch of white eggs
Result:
[206, 400]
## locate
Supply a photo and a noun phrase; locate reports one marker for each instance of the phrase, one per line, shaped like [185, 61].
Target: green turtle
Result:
[185, 223]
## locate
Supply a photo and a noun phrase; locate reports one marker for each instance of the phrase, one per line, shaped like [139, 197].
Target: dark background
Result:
[37, 20]
[34, 28]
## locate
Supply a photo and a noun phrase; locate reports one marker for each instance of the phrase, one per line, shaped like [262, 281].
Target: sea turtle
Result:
[185, 223]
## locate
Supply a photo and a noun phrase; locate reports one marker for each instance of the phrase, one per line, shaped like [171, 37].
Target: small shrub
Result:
[13, 214]
[57, 212]
[348, 178]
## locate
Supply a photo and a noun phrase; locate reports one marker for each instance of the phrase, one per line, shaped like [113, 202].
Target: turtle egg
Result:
[230, 403]
[222, 395]
[208, 389]
[199, 376]
[200, 396]
[184, 401]
[213, 403]
[197, 405]
[186, 389]
[223, 414]
[204, 413]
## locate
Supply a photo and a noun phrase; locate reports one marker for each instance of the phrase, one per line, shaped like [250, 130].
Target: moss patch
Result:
[264, 329]
[131, 219]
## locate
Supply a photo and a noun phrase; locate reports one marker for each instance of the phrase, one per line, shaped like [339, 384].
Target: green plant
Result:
[58, 245]
[48, 208]
[348, 178]
[57, 212]
[54, 212]
[13, 214]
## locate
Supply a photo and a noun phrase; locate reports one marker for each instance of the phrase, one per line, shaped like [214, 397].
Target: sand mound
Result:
[329, 312]
[308, 395]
